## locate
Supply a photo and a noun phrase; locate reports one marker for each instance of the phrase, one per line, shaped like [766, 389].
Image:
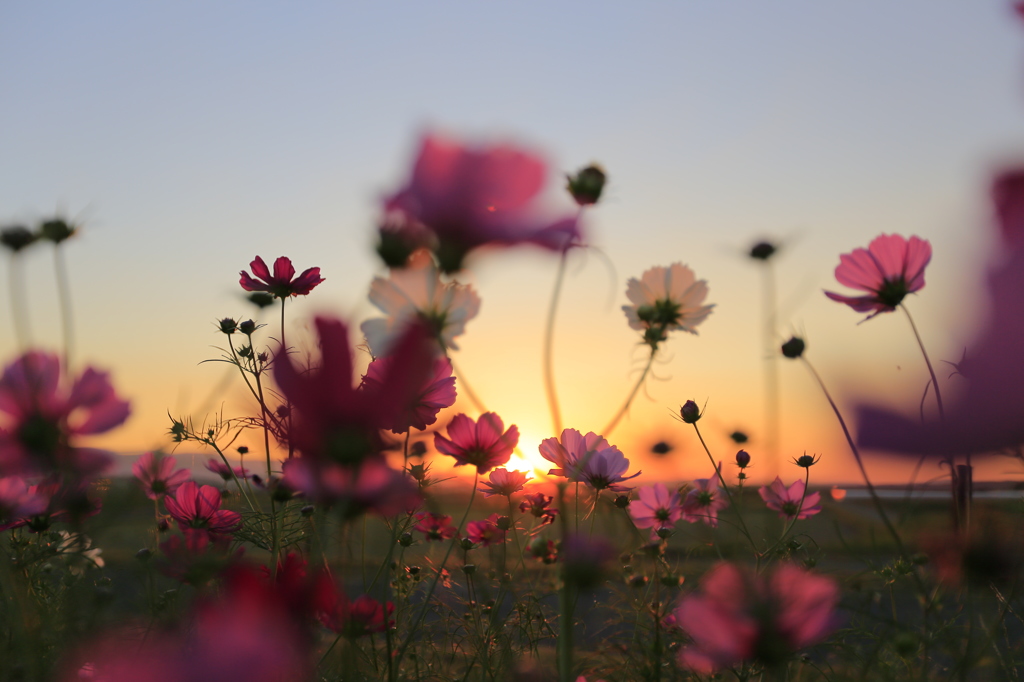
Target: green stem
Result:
[19, 311]
[928, 362]
[725, 487]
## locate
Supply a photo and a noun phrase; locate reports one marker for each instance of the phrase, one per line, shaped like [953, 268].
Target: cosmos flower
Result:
[504, 482]
[704, 501]
[739, 616]
[283, 283]
[416, 292]
[435, 526]
[889, 269]
[479, 443]
[437, 393]
[199, 507]
[791, 502]
[656, 507]
[157, 476]
[665, 300]
[537, 505]
[44, 416]
[221, 469]
[354, 619]
[471, 197]
[485, 532]
[586, 459]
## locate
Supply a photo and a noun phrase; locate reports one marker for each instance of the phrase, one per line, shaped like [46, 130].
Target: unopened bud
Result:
[794, 348]
[466, 544]
[247, 327]
[742, 459]
[504, 523]
[16, 237]
[405, 539]
[622, 501]
[762, 250]
[56, 230]
[261, 299]
[228, 326]
[689, 412]
[307, 511]
[586, 186]
[469, 569]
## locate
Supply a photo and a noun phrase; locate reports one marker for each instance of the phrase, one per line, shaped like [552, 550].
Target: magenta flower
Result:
[18, 501]
[221, 469]
[436, 393]
[332, 420]
[199, 507]
[704, 501]
[504, 482]
[537, 504]
[656, 507]
[45, 415]
[739, 616]
[370, 486]
[283, 283]
[791, 502]
[485, 532]
[479, 443]
[889, 269]
[357, 618]
[435, 526]
[157, 476]
[474, 197]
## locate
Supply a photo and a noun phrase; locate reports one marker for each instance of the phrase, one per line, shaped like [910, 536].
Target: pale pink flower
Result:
[416, 292]
[157, 476]
[199, 508]
[436, 393]
[791, 502]
[44, 416]
[224, 471]
[504, 482]
[479, 443]
[665, 300]
[656, 507]
[739, 616]
[586, 459]
[889, 269]
[704, 501]
[485, 532]
[471, 197]
[282, 283]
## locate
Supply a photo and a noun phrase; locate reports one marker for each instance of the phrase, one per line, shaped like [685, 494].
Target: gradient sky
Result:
[188, 137]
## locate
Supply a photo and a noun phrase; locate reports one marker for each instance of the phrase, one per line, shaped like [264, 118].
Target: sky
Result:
[186, 138]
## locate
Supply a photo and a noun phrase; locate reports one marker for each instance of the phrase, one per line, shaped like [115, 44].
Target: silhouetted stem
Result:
[64, 296]
[19, 311]
[928, 362]
[725, 487]
[549, 341]
[629, 400]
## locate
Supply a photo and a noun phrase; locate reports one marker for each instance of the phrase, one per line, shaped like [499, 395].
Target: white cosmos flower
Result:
[667, 299]
[417, 291]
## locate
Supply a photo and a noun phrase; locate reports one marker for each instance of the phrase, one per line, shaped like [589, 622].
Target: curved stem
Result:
[470, 393]
[607, 431]
[549, 341]
[931, 372]
[725, 487]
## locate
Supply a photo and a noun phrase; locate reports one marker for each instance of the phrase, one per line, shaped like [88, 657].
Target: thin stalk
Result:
[19, 311]
[549, 342]
[771, 368]
[464, 385]
[725, 487]
[632, 394]
[928, 362]
[64, 296]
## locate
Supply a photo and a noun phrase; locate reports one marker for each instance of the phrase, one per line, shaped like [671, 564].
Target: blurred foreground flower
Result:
[480, 443]
[45, 415]
[416, 292]
[740, 616]
[889, 269]
[157, 476]
[282, 283]
[665, 300]
[436, 393]
[472, 197]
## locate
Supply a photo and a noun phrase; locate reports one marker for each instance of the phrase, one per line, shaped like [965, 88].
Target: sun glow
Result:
[527, 457]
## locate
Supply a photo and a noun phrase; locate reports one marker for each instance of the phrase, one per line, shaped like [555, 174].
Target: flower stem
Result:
[928, 362]
[725, 487]
[549, 342]
[632, 394]
[64, 296]
[19, 311]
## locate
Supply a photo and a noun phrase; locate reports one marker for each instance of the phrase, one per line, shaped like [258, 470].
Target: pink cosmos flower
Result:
[485, 532]
[739, 616]
[889, 269]
[18, 501]
[283, 283]
[479, 443]
[332, 420]
[437, 393]
[44, 415]
[704, 501]
[221, 469]
[370, 486]
[664, 300]
[587, 459]
[537, 505]
[436, 526]
[474, 197]
[157, 476]
[791, 502]
[199, 507]
[416, 293]
[504, 482]
[361, 617]
[656, 507]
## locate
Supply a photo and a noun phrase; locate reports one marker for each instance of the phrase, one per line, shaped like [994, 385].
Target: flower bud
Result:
[466, 544]
[469, 569]
[742, 459]
[689, 412]
[738, 437]
[794, 348]
[405, 539]
[622, 501]
[163, 526]
[228, 326]
[247, 327]
[413, 570]
[586, 186]
[661, 448]
[16, 237]
[56, 230]
[504, 523]
[806, 461]
[245, 351]
[762, 251]
[307, 510]
[664, 533]
[261, 299]
[243, 450]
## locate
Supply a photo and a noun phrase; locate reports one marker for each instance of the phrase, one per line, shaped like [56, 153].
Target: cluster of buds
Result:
[18, 237]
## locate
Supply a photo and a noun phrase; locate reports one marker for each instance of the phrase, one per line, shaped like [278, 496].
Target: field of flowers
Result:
[335, 551]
